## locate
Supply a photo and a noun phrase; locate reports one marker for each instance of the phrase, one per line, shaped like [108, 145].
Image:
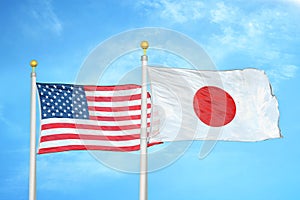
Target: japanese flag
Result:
[235, 105]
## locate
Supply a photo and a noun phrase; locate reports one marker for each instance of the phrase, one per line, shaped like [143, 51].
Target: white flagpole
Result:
[143, 145]
[32, 165]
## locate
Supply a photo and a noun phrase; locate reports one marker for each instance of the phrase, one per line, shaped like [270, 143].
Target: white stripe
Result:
[58, 143]
[99, 123]
[117, 103]
[113, 93]
[57, 131]
[116, 114]
[89, 122]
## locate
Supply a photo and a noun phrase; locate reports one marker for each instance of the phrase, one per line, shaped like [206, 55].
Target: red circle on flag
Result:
[214, 106]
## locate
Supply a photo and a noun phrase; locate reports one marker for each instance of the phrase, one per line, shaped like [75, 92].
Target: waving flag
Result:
[235, 105]
[77, 117]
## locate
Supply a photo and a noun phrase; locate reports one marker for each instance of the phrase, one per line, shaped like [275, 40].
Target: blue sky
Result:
[235, 34]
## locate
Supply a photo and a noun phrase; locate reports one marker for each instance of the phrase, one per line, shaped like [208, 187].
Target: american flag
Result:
[81, 117]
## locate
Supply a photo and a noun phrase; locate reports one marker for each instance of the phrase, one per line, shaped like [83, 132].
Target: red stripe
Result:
[116, 109]
[119, 118]
[91, 127]
[92, 147]
[87, 147]
[115, 98]
[66, 136]
[111, 88]
[154, 143]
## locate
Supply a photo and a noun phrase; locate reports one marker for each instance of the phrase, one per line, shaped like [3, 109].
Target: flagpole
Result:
[32, 164]
[143, 138]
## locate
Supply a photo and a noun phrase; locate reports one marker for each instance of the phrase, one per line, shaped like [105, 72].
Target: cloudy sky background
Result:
[235, 34]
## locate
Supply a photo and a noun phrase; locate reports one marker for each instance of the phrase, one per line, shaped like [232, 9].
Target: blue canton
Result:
[62, 101]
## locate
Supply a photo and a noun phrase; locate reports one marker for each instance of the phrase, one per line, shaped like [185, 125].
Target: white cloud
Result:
[285, 72]
[173, 11]
[289, 71]
[295, 2]
[223, 13]
[43, 13]
[280, 73]
[235, 28]
[238, 34]
[260, 34]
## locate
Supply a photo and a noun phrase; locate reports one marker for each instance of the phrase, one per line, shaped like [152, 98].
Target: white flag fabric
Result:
[235, 105]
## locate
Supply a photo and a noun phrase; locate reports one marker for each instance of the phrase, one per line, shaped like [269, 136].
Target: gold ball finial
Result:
[144, 46]
[33, 63]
